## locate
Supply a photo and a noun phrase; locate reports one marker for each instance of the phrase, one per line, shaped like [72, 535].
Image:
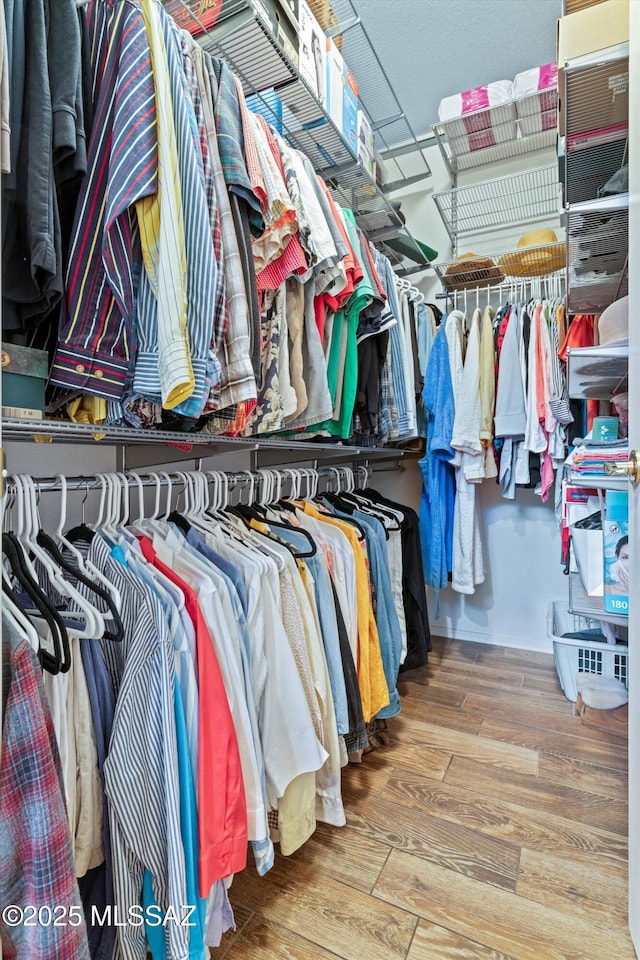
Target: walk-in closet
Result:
[320, 449]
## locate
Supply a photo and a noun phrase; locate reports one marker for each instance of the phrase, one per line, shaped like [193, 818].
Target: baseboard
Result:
[544, 645]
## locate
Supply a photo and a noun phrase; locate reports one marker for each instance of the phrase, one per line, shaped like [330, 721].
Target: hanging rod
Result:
[53, 485]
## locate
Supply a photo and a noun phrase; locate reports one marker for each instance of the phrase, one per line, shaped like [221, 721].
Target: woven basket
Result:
[470, 270]
[324, 14]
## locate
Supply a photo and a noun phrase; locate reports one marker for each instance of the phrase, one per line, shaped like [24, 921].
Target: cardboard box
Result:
[24, 377]
[342, 96]
[312, 52]
[594, 28]
[282, 17]
[587, 32]
[616, 553]
[570, 6]
[366, 145]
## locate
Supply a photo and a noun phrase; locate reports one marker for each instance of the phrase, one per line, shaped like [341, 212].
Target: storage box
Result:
[269, 105]
[366, 146]
[24, 378]
[479, 118]
[282, 17]
[312, 53]
[592, 29]
[586, 32]
[582, 656]
[570, 6]
[605, 428]
[616, 552]
[342, 96]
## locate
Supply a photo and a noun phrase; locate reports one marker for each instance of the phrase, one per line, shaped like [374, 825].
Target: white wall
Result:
[521, 539]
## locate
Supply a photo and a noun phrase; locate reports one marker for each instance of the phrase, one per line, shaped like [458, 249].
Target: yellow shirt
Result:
[161, 221]
[371, 679]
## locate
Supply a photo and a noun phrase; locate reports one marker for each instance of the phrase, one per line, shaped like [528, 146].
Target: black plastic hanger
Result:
[80, 534]
[348, 508]
[53, 550]
[60, 661]
[180, 521]
[248, 513]
[361, 500]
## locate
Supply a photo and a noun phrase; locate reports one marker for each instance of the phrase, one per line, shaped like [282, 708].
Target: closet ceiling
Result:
[433, 48]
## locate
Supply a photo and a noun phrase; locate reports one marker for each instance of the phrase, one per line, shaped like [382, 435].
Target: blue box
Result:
[269, 105]
[341, 92]
[616, 553]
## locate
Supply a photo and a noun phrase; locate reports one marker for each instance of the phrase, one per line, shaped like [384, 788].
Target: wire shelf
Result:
[493, 204]
[597, 253]
[511, 267]
[596, 373]
[245, 39]
[146, 447]
[589, 170]
[390, 125]
[581, 604]
[521, 126]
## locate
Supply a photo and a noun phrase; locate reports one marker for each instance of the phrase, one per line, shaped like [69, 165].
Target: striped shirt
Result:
[152, 366]
[160, 217]
[96, 318]
[141, 772]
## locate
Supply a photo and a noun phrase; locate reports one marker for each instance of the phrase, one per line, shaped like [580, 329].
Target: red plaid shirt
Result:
[36, 860]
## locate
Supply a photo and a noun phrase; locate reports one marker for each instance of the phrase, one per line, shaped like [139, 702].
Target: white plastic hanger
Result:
[85, 565]
[28, 525]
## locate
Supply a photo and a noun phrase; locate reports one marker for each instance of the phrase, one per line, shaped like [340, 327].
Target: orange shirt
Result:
[372, 682]
[222, 806]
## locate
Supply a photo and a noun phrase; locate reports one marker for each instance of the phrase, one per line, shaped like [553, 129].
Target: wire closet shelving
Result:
[244, 35]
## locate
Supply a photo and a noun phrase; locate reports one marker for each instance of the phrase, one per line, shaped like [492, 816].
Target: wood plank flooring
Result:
[493, 827]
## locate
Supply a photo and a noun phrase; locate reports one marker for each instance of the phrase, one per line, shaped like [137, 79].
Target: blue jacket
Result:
[439, 485]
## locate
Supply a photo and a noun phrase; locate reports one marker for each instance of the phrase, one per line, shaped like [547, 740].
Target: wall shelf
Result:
[523, 198]
[485, 137]
[509, 267]
[245, 39]
[581, 604]
[595, 373]
[597, 246]
[597, 483]
[146, 447]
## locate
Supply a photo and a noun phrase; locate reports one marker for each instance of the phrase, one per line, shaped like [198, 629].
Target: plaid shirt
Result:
[237, 381]
[36, 861]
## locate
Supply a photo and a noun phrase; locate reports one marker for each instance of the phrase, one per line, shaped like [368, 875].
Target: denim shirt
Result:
[387, 621]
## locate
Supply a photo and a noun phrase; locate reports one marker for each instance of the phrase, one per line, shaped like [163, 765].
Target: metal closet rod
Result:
[53, 484]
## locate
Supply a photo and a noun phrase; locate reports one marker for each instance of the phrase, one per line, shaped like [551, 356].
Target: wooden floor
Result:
[492, 827]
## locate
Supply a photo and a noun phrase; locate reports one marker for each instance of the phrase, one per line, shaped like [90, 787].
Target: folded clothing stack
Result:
[588, 458]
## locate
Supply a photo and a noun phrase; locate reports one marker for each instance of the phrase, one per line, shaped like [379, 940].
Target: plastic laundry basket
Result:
[582, 656]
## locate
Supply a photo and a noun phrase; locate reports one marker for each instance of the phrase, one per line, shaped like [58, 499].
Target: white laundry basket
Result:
[582, 656]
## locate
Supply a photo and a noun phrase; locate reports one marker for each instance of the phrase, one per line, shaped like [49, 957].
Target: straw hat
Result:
[538, 253]
[469, 270]
[613, 324]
